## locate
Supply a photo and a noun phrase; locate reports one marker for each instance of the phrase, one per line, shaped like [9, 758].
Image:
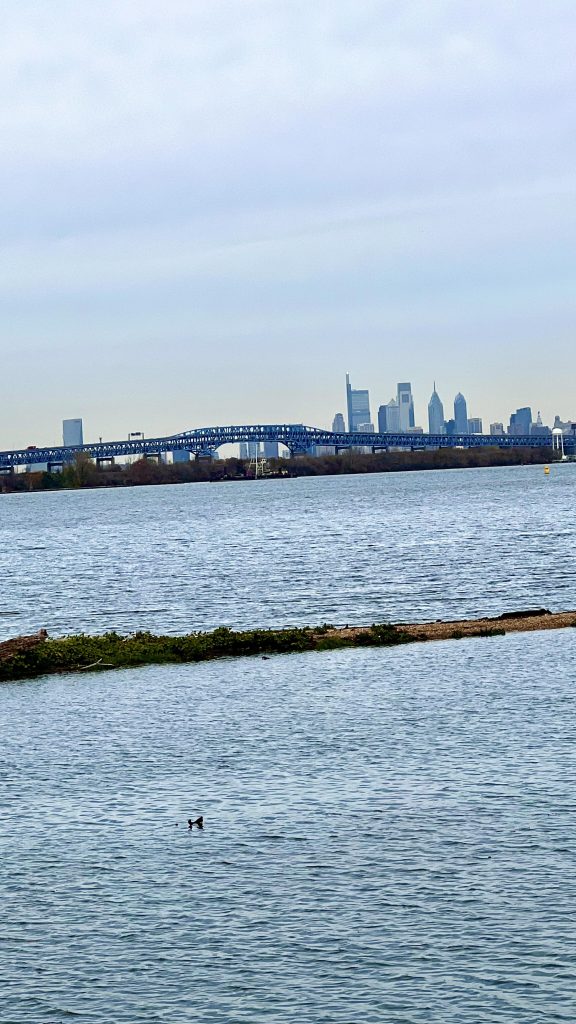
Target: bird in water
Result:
[199, 823]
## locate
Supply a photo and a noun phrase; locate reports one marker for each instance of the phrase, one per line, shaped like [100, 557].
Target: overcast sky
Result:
[212, 209]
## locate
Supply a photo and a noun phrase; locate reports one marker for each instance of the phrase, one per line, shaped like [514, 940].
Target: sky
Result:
[211, 210]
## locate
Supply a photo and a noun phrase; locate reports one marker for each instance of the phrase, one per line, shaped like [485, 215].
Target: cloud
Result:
[285, 167]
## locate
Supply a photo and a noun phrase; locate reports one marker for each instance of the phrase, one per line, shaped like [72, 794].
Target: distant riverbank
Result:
[37, 655]
[84, 473]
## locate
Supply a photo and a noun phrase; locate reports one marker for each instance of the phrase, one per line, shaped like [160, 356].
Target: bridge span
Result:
[299, 439]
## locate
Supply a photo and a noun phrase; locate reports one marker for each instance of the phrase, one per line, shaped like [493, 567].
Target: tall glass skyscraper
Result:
[358, 404]
[436, 414]
[521, 421]
[72, 433]
[406, 407]
[460, 414]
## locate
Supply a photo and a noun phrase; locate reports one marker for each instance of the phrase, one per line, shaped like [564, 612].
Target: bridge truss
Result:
[299, 439]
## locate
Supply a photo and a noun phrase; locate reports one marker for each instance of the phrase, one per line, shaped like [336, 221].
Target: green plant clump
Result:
[111, 650]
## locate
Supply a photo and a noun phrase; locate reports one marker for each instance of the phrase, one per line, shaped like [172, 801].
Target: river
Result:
[390, 834]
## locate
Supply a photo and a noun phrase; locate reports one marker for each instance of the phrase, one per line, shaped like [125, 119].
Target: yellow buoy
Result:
[547, 470]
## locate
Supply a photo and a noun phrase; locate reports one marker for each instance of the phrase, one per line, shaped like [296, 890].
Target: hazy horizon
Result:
[212, 212]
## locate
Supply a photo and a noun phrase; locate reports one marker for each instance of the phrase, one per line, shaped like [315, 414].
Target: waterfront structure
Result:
[460, 414]
[405, 406]
[435, 414]
[475, 425]
[358, 405]
[72, 433]
[204, 442]
[497, 429]
[338, 424]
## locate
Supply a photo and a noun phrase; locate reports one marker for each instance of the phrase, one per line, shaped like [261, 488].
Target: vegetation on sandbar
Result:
[111, 650]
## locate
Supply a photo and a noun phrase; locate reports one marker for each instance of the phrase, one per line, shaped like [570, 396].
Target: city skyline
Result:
[388, 420]
[210, 209]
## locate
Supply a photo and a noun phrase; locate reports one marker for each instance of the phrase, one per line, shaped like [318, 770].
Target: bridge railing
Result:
[297, 438]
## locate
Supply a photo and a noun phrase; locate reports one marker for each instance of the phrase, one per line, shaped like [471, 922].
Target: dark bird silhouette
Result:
[199, 823]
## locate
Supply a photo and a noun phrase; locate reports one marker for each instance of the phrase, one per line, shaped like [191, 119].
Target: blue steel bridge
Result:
[299, 439]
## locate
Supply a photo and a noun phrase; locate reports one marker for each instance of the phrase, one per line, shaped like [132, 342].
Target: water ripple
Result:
[403, 852]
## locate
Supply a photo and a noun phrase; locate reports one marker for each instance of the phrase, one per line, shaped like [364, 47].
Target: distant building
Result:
[72, 433]
[250, 450]
[271, 450]
[435, 413]
[520, 421]
[497, 429]
[405, 406]
[180, 455]
[391, 417]
[538, 428]
[460, 414]
[475, 425]
[450, 426]
[338, 424]
[358, 404]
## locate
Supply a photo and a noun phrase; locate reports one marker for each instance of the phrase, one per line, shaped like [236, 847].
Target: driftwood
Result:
[9, 648]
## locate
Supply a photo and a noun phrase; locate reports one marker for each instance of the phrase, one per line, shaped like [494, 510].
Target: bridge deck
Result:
[298, 438]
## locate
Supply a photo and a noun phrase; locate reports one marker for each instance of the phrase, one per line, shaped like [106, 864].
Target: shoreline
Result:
[29, 657]
[84, 474]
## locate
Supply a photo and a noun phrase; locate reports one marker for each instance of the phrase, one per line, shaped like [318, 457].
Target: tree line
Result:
[83, 472]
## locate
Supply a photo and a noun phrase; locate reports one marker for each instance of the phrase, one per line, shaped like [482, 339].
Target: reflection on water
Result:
[389, 836]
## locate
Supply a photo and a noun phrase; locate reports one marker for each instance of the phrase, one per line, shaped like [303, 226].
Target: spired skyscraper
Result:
[358, 404]
[460, 414]
[435, 414]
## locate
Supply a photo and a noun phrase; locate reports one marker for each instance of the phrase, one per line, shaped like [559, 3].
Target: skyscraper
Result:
[475, 425]
[72, 433]
[435, 414]
[358, 403]
[521, 421]
[392, 417]
[405, 406]
[460, 414]
[338, 425]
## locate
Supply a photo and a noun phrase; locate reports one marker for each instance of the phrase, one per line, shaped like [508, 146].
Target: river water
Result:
[390, 835]
[399, 547]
